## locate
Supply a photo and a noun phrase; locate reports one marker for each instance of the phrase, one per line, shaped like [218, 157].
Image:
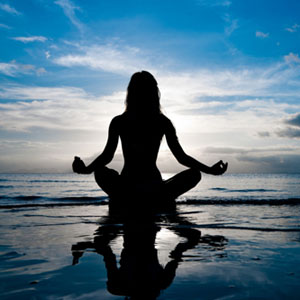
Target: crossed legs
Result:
[111, 183]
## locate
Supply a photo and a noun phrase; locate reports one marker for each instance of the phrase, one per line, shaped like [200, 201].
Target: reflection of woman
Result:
[141, 128]
[139, 273]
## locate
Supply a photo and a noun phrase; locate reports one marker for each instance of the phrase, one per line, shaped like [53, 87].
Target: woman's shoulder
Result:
[166, 121]
[117, 119]
[116, 122]
[164, 118]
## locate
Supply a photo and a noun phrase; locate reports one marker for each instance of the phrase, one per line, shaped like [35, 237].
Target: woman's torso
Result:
[141, 137]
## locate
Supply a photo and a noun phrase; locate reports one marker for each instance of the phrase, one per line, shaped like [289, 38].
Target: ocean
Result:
[68, 189]
[235, 236]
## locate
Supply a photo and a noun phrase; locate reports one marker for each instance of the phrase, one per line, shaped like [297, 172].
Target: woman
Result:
[141, 128]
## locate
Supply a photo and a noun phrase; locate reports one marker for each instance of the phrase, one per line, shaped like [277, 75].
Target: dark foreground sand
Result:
[244, 252]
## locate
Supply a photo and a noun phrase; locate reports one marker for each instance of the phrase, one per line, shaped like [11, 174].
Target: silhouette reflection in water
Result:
[141, 128]
[140, 275]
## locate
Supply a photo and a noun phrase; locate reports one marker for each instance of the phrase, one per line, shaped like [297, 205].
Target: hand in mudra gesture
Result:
[78, 166]
[219, 168]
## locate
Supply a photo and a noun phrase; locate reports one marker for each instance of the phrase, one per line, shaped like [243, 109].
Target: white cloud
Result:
[232, 27]
[108, 57]
[190, 85]
[63, 108]
[292, 58]
[8, 69]
[20, 92]
[40, 71]
[232, 24]
[225, 3]
[9, 9]
[254, 82]
[47, 54]
[69, 10]
[4, 26]
[261, 34]
[14, 69]
[124, 60]
[30, 39]
[293, 29]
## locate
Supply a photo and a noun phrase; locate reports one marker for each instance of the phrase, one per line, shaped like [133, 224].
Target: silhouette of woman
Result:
[141, 128]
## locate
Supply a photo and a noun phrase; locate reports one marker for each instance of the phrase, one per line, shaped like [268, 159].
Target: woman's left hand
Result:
[219, 168]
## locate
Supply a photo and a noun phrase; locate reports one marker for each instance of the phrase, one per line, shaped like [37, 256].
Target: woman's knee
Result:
[194, 175]
[99, 173]
[107, 179]
[104, 174]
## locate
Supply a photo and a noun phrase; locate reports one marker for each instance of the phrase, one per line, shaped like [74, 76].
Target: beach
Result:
[52, 247]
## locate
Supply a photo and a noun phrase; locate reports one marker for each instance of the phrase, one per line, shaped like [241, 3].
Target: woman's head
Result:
[143, 94]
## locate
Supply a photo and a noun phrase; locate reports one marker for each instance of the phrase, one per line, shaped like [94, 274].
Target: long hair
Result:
[143, 95]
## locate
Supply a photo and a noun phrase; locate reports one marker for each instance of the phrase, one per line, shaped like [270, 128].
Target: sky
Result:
[228, 72]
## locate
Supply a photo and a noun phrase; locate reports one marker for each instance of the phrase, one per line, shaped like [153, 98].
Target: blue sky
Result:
[228, 72]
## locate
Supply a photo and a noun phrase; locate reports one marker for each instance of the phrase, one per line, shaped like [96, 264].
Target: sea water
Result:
[44, 216]
[67, 189]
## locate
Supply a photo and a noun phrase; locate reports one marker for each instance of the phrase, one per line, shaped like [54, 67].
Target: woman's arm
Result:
[186, 160]
[105, 157]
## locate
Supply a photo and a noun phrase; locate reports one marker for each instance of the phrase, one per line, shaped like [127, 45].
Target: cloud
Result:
[289, 132]
[40, 71]
[266, 159]
[212, 3]
[232, 24]
[261, 34]
[14, 69]
[230, 83]
[70, 11]
[293, 29]
[47, 54]
[274, 80]
[30, 39]
[125, 59]
[292, 58]
[282, 163]
[20, 92]
[294, 120]
[232, 27]
[61, 108]
[264, 134]
[4, 26]
[252, 151]
[9, 9]
[120, 59]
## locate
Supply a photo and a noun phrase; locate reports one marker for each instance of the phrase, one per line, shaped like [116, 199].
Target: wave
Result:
[39, 201]
[6, 186]
[242, 190]
[43, 180]
[54, 181]
[233, 227]
[287, 201]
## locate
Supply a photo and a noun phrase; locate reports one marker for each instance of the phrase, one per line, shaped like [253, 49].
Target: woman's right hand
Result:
[78, 166]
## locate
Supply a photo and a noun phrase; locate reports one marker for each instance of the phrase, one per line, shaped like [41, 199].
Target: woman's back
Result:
[141, 137]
